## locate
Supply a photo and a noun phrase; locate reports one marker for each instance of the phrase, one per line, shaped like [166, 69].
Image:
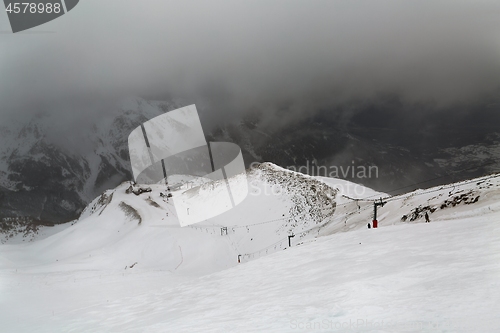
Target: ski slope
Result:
[108, 272]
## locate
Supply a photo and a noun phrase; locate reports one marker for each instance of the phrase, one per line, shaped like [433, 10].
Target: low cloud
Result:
[286, 59]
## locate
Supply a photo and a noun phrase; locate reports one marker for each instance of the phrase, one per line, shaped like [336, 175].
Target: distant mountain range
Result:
[50, 182]
[46, 181]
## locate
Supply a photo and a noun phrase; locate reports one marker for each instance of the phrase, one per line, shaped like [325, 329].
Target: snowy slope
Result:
[122, 228]
[127, 266]
[437, 277]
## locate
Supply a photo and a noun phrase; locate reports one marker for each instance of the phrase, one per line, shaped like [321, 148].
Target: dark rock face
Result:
[46, 182]
[47, 188]
[407, 153]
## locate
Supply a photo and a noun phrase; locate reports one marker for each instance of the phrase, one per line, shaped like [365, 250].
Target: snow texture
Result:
[109, 273]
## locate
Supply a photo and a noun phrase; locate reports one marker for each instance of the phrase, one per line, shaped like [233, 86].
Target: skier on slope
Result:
[427, 220]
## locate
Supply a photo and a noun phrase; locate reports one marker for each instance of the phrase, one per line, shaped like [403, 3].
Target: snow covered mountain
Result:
[281, 203]
[127, 265]
[45, 179]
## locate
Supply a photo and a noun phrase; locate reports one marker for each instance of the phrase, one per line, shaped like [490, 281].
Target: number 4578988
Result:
[32, 8]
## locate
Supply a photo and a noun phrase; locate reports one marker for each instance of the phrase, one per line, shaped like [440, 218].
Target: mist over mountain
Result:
[52, 180]
[411, 88]
[416, 145]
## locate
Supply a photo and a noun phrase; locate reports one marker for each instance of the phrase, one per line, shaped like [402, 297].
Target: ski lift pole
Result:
[375, 205]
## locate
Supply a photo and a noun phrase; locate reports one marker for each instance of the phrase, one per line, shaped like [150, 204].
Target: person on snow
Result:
[427, 220]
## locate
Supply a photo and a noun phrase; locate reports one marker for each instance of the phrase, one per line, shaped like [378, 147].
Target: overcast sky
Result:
[242, 55]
